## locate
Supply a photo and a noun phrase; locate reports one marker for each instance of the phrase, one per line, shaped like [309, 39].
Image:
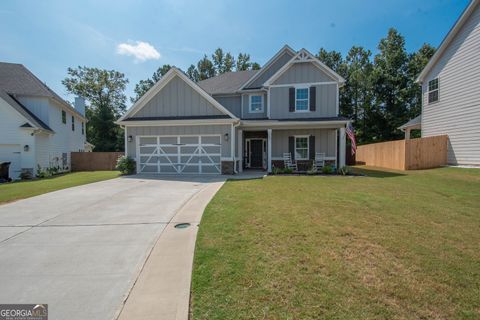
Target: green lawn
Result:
[26, 189]
[387, 246]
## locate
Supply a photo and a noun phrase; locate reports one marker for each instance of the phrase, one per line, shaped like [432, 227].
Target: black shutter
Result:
[313, 98]
[291, 99]
[311, 147]
[291, 146]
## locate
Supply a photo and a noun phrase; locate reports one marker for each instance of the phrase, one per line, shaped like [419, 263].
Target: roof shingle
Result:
[226, 83]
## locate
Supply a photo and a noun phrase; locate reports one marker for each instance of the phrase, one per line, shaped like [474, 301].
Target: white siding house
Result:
[451, 90]
[36, 129]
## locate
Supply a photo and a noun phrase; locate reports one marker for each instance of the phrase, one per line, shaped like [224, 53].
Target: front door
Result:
[256, 153]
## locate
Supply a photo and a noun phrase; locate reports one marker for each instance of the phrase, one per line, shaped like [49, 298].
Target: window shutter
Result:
[313, 98]
[291, 99]
[311, 147]
[291, 146]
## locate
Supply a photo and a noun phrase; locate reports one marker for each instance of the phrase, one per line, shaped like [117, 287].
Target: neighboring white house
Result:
[37, 127]
[451, 90]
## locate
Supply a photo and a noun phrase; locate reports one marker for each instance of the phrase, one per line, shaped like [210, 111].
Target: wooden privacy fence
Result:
[94, 161]
[412, 154]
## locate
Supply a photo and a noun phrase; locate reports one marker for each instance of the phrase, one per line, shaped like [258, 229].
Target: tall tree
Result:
[144, 85]
[104, 91]
[243, 62]
[205, 68]
[229, 62]
[192, 73]
[390, 79]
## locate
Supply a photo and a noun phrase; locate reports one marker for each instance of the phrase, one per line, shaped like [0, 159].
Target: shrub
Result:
[327, 169]
[288, 170]
[26, 175]
[276, 170]
[126, 165]
[312, 171]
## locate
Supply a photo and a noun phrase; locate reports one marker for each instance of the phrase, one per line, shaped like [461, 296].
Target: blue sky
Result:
[49, 36]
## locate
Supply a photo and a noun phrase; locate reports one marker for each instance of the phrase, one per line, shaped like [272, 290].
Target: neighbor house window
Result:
[83, 128]
[301, 147]
[64, 116]
[256, 103]
[73, 123]
[301, 99]
[433, 90]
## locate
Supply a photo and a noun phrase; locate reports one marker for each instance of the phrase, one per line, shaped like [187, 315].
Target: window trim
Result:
[308, 98]
[438, 91]
[250, 103]
[308, 146]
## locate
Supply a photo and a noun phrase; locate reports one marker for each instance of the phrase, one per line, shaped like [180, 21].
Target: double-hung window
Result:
[301, 147]
[433, 90]
[256, 103]
[301, 99]
[73, 123]
[64, 117]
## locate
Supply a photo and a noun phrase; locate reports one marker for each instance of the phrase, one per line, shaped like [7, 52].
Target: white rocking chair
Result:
[319, 161]
[288, 162]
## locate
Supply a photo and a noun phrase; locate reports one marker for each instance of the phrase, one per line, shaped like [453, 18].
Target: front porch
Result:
[263, 149]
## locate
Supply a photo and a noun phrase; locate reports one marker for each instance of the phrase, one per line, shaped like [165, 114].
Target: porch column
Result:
[240, 150]
[342, 146]
[269, 150]
[407, 133]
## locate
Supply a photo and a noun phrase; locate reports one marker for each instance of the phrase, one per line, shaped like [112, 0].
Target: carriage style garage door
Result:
[190, 154]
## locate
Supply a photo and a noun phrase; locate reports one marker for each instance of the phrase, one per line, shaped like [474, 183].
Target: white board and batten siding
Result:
[457, 113]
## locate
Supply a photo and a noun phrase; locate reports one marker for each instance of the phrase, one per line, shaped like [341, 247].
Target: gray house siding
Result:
[246, 114]
[178, 130]
[280, 62]
[231, 103]
[325, 141]
[303, 73]
[457, 113]
[177, 98]
[326, 103]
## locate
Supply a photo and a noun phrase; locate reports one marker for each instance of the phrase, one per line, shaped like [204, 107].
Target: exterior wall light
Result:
[130, 138]
[226, 136]
[26, 148]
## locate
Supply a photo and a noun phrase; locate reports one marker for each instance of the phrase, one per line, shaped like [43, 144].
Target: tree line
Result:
[379, 94]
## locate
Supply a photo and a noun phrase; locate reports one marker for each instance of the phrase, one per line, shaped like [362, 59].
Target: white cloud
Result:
[142, 51]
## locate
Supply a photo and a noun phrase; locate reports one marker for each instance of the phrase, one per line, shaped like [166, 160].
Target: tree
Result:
[192, 73]
[229, 62]
[243, 62]
[144, 85]
[104, 91]
[255, 66]
[390, 79]
[205, 68]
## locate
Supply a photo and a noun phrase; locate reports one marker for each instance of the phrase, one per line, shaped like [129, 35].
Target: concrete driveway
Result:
[80, 249]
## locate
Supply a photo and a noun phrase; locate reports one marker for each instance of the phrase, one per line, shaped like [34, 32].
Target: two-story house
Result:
[239, 120]
[451, 91]
[38, 129]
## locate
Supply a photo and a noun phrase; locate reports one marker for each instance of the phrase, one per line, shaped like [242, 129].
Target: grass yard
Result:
[388, 246]
[26, 189]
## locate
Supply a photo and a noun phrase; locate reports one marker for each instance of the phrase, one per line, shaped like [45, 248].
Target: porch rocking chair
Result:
[288, 162]
[319, 161]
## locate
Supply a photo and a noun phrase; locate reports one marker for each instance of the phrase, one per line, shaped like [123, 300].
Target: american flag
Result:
[351, 135]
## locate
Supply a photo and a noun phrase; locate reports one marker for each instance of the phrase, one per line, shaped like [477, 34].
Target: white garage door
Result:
[11, 153]
[197, 154]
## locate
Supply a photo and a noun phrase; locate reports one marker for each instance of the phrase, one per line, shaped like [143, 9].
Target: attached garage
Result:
[180, 154]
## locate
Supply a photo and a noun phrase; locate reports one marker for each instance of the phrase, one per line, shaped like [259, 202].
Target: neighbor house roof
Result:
[226, 83]
[27, 114]
[415, 122]
[17, 80]
[448, 39]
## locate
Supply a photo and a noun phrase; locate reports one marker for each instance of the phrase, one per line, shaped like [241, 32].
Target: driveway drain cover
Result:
[182, 225]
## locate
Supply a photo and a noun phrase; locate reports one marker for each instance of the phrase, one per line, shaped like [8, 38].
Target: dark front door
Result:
[256, 153]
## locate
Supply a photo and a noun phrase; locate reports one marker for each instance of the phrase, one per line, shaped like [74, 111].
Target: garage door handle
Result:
[179, 144]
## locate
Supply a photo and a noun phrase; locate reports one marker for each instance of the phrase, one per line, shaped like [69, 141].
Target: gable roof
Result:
[448, 39]
[226, 83]
[32, 120]
[18, 80]
[284, 49]
[301, 57]
[173, 72]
